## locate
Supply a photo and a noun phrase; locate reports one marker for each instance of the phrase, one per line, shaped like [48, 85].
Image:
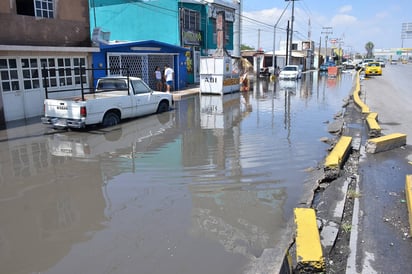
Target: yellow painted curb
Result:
[339, 152]
[364, 108]
[309, 255]
[386, 142]
[374, 127]
[408, 193]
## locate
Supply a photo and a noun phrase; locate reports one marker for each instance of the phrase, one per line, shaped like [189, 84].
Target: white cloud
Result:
[382, 15]
[343, 20]
[345, 9]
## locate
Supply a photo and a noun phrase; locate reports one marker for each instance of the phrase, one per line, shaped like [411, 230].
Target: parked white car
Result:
[290, 72]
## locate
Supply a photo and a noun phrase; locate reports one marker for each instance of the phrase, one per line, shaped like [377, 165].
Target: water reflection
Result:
[46, 205]
[124, 139]
[217, 177]
[220, 112]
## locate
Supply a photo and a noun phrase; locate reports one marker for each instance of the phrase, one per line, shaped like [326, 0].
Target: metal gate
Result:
[139, 65]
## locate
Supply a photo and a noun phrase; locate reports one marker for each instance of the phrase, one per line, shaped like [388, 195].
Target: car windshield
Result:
[290, 68]
[374, 64]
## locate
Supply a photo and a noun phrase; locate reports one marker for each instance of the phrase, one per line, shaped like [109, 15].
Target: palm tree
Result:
[369, 48]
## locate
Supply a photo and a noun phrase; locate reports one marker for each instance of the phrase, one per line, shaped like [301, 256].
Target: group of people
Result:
[164, 78]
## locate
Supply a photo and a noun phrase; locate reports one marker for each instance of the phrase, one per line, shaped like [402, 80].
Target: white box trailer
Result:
[219, 75]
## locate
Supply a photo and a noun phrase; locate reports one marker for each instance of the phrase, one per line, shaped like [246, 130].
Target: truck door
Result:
[144, 102]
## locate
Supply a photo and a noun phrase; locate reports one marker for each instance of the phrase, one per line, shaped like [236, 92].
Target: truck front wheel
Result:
[110, 119]
[163, 107]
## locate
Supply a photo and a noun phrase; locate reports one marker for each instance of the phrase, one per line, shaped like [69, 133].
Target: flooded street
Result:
[205, 188]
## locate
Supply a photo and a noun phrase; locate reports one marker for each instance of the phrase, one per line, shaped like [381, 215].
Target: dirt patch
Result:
[336, 259]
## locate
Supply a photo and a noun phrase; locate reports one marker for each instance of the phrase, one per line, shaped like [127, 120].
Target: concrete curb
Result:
[374, 128]
[309, 255]
[337, 157]
[385, 143]
[356, 98]
[408, 194]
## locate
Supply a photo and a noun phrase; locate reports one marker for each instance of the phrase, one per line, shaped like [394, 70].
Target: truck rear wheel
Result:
[110, 119]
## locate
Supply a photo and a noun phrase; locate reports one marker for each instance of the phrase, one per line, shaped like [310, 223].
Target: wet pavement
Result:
[382, 242]
[209, 187]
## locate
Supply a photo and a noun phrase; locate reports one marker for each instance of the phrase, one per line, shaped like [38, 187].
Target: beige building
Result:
[54, 34]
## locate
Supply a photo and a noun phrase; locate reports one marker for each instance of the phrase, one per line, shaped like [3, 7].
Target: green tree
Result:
[245, 47]
[369, 49]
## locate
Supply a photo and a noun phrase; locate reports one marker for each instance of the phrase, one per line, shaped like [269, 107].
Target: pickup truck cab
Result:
[114, 99]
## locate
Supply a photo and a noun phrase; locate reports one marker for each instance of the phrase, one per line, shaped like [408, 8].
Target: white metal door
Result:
[32, 92]
[11, 89]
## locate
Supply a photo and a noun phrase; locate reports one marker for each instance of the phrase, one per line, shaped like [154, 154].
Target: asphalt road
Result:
[382, 243]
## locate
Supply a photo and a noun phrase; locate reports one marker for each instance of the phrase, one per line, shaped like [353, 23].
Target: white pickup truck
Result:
[113, 99]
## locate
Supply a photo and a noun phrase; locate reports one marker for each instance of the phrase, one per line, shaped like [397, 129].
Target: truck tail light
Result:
[83, 112]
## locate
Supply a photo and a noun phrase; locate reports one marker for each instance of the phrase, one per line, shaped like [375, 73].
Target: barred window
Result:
[38, 8]
[191, 20]
[44, 8]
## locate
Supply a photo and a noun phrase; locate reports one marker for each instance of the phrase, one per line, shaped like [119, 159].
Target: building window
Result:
[30, 69]
[191, 20]
[9, 78]
[26, 73]
[38, 8]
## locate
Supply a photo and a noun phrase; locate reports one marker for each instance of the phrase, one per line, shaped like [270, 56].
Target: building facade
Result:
[198, 30]
[61, 35]
[40, 33]
[186, 23]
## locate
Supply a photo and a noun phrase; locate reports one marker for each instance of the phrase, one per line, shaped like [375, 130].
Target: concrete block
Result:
[337, 157]
[309, 255]
[374, 127]
[385, 143]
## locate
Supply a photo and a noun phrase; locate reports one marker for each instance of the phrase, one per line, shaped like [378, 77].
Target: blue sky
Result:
[354, 22]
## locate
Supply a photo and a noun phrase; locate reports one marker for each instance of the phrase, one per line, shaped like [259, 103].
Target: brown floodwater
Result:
[208, 187]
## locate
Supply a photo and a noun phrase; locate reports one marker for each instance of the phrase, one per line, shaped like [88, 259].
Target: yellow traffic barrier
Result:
[408, 194]
[309, 255]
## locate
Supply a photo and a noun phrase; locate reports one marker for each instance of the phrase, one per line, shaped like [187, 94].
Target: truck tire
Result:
[163, 107]
[110, 119]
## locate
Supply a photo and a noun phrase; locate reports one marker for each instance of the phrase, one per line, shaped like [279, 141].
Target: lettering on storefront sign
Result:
[192, 37]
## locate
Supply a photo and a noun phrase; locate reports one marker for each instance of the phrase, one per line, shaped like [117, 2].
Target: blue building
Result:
[182, 23]
[141, 58]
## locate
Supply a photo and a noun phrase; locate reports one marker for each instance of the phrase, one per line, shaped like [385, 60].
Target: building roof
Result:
[146, 46]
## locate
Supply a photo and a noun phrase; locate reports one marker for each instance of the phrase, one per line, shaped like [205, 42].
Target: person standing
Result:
[159, 81]
[169, 75]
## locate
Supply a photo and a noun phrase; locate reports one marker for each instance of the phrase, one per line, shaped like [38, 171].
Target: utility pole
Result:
[236, 28]
[287, 44]
[326, 31]
[291, 30]
[274, 37]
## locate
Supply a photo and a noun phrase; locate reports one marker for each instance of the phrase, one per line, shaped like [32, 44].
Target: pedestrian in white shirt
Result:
[169, 75]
